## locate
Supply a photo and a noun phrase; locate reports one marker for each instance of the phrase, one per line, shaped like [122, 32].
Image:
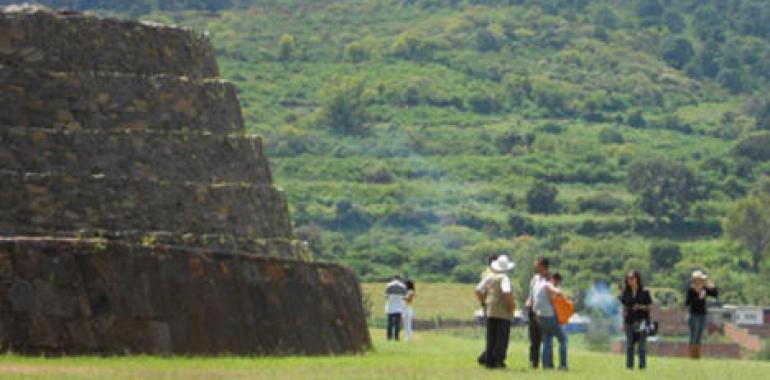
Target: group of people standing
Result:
[496, 298]
[398, 307]
[497, 301]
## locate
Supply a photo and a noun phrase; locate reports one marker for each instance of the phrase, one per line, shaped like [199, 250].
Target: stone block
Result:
[114, 101]
[135, 154]
[201, 302]
[44, 204]
[34, 37]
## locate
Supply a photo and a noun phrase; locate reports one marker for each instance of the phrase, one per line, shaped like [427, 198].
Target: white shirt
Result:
[536, 280]
[505, 284]
[541, 300]
[395, 292]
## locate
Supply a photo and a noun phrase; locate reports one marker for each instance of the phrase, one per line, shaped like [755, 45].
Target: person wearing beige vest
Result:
[496, 298]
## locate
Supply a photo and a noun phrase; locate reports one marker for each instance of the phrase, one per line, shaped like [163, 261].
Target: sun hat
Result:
[502, 264]
[699, 274]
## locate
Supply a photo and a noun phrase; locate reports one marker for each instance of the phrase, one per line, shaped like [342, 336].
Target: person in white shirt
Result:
[395, 291]
[408, 309]
[542, 265]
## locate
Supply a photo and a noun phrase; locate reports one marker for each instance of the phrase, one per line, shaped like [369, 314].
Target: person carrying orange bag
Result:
[562, 306]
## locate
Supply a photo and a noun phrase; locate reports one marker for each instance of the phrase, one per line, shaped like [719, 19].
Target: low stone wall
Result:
[34, 204]
[680, 349]
[135, 154]
[33, 37]
[673, 322]
[89, 100]
[763, 331]
[100, 297]
[743, 337]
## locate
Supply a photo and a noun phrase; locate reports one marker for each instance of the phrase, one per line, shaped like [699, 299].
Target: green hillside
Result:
[420, 136]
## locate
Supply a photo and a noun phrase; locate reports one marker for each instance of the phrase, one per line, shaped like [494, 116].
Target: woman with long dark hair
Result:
[636, 303]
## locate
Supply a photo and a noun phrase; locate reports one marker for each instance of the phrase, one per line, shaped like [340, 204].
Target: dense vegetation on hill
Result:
[420, 136]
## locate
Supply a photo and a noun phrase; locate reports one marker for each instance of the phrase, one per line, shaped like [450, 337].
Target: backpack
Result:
[563, 309]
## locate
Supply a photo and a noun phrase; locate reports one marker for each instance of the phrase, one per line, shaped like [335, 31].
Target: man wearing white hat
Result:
[696, 302]
[496, 298]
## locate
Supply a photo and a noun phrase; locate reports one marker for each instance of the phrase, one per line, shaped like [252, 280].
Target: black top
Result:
[628, 300]
[696, 303]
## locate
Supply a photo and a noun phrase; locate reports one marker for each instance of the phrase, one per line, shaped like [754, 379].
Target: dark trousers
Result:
[696, 324]
[640, 341]
[394, 325]
[498, 333]
[535, 339]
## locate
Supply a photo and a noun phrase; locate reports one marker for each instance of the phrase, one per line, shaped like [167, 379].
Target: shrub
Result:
[509, 139]
[677, 51]
[610, 135]
[551, 128]
[521, 225]
[344, 108]
[286, 46]
[755, 147]
[413, 47]
[376, 173]
[664, 256]
[602, 202]
[636, 119]
[356, 52]
[484, 102]
[541, 198]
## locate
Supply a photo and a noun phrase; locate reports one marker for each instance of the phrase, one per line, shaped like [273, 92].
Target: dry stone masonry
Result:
[135, 215]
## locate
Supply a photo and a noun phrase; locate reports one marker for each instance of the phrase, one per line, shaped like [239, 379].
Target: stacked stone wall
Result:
[135, 215]
[117, 102]
[33, 38]
[70, 296]
[135, 154]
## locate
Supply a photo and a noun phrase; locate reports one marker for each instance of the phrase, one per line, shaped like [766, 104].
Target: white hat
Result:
[699, 274]
[502, 264]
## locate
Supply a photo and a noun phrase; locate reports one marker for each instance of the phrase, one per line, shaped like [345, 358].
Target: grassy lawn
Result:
[429, 356]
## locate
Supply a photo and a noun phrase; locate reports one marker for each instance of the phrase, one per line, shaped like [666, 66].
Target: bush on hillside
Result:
[755, 147]
[541, 198]
[602, 203]
[664, 256]
[610, 135]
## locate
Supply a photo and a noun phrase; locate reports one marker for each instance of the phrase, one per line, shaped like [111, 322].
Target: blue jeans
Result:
[696, 324]
[550, 327]
[641, 341]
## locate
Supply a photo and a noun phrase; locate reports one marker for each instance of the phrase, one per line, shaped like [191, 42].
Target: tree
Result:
[610, 135]
[636, 119]
[541, 198]
[763, 117]
[754, 147]
[490, 38]
[344, 108]
[413, 47]
[649, 11]
[748, 224]
[605, 17]
[677, 51]
[731, 79]
[356, 52]
[674, 22]
[286, 46]
[663, 256]
[665, 189]
[708, 60]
